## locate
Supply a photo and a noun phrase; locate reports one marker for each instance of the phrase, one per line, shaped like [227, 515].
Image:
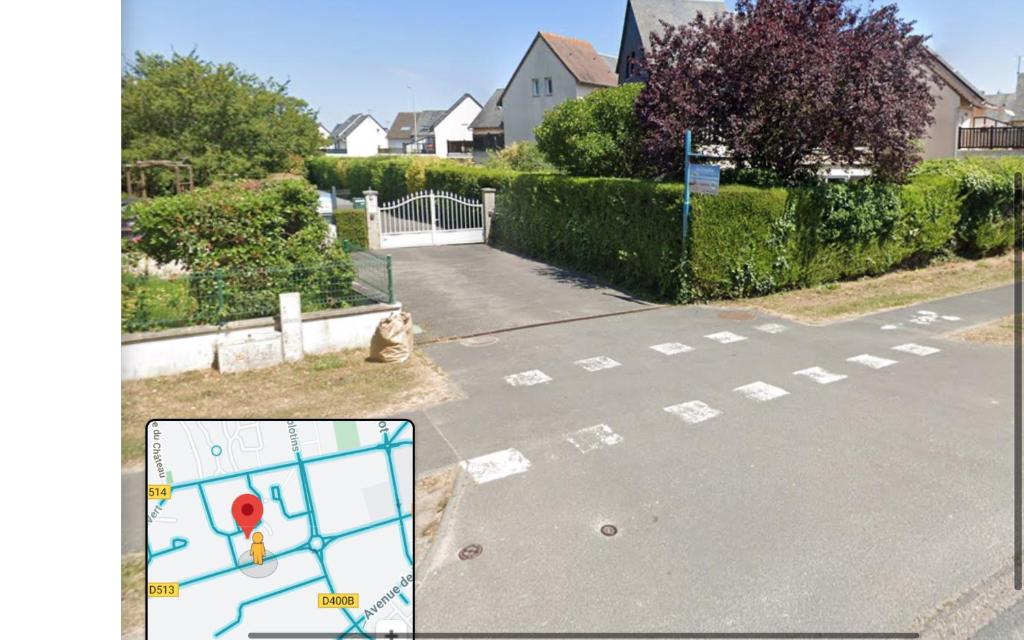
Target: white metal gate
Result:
[427, 218]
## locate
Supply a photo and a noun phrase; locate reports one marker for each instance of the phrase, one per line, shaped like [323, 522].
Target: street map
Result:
[278, 527]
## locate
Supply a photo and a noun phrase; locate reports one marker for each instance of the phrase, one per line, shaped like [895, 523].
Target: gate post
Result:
[488, 200]
[372, 220]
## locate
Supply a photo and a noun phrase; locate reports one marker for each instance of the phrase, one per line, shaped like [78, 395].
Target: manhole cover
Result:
[479, 341]
[609, 530]
[737, 315]
[470, 551]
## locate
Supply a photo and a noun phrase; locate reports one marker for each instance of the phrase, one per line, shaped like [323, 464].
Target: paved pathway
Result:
[469, 289]
[762, 475]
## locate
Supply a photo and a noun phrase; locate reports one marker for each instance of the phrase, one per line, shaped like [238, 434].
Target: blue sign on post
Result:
[704, 178]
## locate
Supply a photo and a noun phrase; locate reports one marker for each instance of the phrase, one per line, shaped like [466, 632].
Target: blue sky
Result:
[346, 56]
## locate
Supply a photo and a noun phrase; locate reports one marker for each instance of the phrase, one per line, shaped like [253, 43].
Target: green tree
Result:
[227, 123]
[596, 136]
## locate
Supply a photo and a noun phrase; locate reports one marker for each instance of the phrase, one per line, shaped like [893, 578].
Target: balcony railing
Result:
[991, 138]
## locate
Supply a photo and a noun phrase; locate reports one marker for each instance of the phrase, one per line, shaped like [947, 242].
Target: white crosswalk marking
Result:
[596, 437]
[693, 412]
[495, 466]
[672, 348]
[819, 375]
[916, 349]
[598, 364]
[872, 361]
[771, 328]
[528, 378]
[761, 391]
[725, 337]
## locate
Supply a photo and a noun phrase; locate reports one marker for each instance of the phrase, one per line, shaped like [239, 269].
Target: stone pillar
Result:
[488, 200]
[372, 219]
[291, 326]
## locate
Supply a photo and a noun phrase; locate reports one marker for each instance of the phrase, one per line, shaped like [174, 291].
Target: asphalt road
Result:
[856, 495]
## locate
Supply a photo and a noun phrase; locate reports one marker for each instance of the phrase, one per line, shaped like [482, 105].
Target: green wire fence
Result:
[150, 303]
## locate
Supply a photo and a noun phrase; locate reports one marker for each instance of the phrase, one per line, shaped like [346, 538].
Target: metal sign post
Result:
[686, 192]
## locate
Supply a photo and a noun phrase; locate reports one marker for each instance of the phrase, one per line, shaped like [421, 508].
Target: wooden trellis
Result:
[134, 175]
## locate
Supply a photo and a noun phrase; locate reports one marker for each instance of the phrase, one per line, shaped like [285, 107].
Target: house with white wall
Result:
[555, 69]
[439, 133]
[452, 133]
[359, 136]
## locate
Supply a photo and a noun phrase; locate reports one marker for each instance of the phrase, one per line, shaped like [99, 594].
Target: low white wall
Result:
[163, 353]
[323, 332]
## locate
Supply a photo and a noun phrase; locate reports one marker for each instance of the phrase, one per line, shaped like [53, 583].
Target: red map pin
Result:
[247, 511]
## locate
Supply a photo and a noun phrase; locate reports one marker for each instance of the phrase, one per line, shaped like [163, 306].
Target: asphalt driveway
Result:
[463, 290]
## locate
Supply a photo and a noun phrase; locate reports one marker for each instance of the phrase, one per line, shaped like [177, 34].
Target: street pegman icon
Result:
[247, 510]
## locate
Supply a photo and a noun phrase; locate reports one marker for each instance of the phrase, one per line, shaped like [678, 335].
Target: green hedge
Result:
[985, 185]
[351, 224]
[745, 241]
[467, 181]
[242, 243]
[618, 229]
[391, 177]
[395, 177]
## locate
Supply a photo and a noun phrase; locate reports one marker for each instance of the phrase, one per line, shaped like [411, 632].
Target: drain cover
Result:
[479, 341]
[470, 551]
[609, 530]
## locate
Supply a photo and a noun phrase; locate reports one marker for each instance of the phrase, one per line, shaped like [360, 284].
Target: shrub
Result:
[519, 156]
[467, 180]
[391, 177]
[351, 226]
[244, 243]
[596, 136]
[985, 186]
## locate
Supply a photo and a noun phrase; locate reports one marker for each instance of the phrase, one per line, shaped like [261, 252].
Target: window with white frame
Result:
[535, 83]
[549, 86]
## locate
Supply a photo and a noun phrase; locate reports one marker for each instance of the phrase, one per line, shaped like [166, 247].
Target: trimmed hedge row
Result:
[394, 177]
[745, 241]
[391, 177]
[351, 225]
[985, 225]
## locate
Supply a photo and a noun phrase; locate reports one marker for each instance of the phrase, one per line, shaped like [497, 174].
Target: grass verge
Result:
[340, 385]
[844, 300]
[996, 332]
[133, 589]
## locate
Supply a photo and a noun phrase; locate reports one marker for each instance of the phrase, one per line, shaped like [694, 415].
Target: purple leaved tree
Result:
[789, 85]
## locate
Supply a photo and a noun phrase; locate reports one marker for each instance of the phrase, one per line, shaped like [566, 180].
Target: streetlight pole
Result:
[415, 127]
